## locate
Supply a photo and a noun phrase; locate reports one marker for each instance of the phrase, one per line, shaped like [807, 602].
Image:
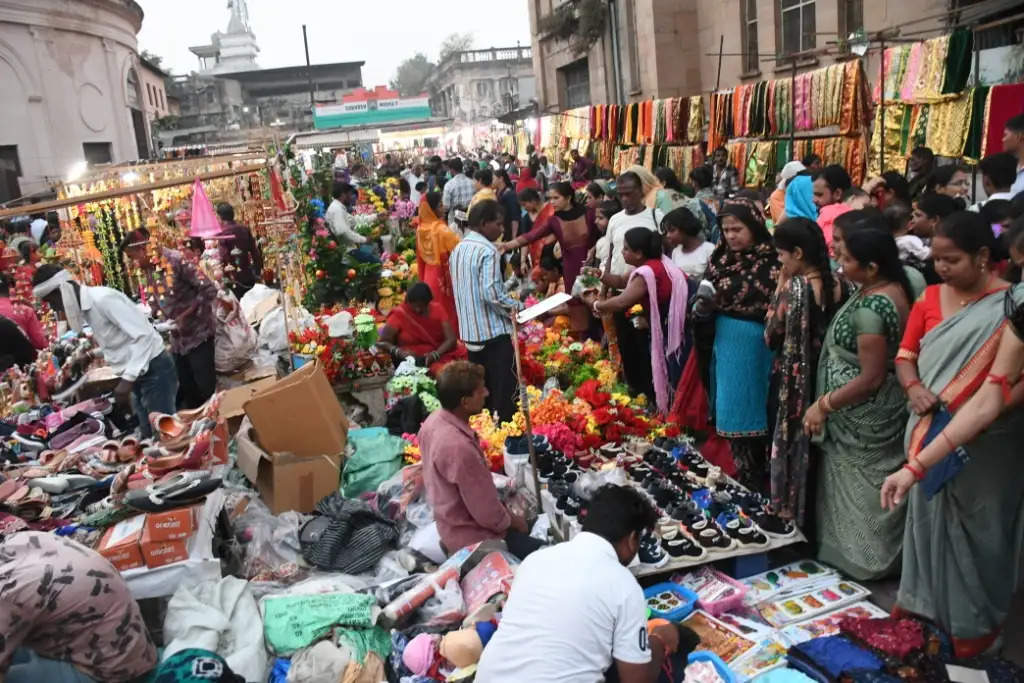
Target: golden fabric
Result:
[434, 238]
[695, 127]
[894, 113]
[984, 127]
[933, 70]
[760, 157]
[948, 124]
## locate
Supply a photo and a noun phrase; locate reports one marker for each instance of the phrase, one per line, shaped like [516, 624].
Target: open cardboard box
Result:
[286, 481]
[232, 403]
[299, 414]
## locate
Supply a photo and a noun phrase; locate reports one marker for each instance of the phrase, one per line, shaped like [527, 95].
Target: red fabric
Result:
[663, 283]
[716, 450]
[419, 335]
[897, 637]
[546, 212]
[526, 181]
[690, 406]
[1005, 102]
[26, 319]
[926, 314]
[439, 279]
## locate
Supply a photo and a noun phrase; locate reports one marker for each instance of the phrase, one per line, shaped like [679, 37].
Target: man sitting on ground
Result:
[455, 473]
[601, 614]
[67, 615]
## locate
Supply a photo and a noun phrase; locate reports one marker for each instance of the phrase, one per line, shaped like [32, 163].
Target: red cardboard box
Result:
[171, 525]
[120, 543]
[160, 553]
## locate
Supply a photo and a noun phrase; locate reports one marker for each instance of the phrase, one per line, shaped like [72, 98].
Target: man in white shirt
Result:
[131, 346]
[1013, 142]
[414, 177]
[998, 172]
[601, 614]
[338, 220]
[634, 214]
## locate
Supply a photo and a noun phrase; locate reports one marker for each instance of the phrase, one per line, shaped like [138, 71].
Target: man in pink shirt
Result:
[20, 314]
[829, 185]
[458, 483]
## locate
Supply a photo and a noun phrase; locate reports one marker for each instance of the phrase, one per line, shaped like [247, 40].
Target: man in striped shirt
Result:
[484, 308]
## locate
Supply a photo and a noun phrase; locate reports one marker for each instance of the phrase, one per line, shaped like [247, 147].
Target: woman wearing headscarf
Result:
[743, 272]
[800, 198]
[528, 177]
[777, 200]
[434, 243]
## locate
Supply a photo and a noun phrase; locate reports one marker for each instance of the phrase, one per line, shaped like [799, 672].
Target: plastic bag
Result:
[398, 492]
[235, 339]
[445, 608]
[273, 332]
[252, 299]
[377, 456]
[272, 541]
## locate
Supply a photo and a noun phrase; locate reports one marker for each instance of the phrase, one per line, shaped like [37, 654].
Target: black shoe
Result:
[572, 507]
[773, 525]
[712, 538]
[682, 546]
[650, 552]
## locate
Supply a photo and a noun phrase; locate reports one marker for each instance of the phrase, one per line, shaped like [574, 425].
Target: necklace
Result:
[873, 288]
[971, 299]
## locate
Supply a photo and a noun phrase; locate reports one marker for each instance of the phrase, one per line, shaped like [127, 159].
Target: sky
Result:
[380, 32]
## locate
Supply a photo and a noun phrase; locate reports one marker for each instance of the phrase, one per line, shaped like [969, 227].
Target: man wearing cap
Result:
[180, 291]
[131, 346]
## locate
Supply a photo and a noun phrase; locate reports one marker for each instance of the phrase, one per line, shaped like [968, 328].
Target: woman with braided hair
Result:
[803, 305]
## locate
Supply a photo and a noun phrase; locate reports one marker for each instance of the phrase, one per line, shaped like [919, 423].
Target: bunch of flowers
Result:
[343, 358]
[368, 224]
[403, 209]
[395, 278]
[412, 449]
[492, 436]
[416, 381]
[373, 201]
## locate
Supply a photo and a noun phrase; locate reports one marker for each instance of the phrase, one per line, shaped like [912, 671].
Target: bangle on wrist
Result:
[911, 384]
[828, 403]
[916, 471]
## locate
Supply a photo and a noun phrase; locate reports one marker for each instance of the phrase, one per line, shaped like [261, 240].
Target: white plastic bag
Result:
[252, 299]
[235, 339]
[273, 333]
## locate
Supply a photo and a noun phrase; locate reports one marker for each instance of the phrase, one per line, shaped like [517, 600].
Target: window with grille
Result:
[797, 25]
[576, 78]
[749, 36]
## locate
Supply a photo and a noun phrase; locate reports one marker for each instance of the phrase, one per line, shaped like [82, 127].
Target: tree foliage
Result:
[455, 42]
[411, 75]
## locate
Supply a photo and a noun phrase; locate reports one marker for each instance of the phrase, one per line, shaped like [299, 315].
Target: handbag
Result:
[939, 474]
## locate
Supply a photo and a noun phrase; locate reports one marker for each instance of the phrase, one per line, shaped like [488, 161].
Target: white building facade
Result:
[72, 91]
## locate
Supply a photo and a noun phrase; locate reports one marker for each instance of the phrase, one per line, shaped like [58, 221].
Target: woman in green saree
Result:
[963, 544]
[860, 413]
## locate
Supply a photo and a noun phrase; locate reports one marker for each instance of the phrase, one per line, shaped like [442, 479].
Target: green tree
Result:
[411, 75]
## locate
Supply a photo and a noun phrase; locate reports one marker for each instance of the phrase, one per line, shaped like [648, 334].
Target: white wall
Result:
[63, 70]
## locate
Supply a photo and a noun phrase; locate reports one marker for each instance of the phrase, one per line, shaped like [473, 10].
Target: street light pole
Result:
[309, 72]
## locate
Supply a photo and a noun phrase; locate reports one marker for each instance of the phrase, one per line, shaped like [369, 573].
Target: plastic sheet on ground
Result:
[220, 616]
[377, 457]
[292, 622]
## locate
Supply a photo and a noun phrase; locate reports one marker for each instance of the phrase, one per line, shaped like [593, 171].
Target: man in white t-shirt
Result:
[574, 609]
[634, 214]
[414, 177]
[338, 219]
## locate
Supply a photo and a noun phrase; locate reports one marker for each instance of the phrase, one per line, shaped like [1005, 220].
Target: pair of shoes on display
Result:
[517, 445]
[695, 462]
[743, 531]
[160, 461]
[569, 504]
[707, 533]
[678, 545]
[650, 553]
[176, 490]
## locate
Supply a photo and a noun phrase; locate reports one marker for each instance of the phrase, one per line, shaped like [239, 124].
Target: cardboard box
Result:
[120, 543]
[170, 525]
[159, 553]
[299, 414]
[286, 481]
[232, 403]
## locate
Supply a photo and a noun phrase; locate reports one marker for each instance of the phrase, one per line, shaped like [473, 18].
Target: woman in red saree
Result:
[420, 329]
[434, 243]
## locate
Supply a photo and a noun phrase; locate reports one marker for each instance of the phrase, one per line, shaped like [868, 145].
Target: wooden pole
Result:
[524, 402]
[881, 103]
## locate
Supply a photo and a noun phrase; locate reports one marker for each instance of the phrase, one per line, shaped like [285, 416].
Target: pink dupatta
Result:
[676, 325]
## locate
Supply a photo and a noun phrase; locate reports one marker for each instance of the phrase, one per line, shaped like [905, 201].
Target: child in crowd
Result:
[684, 240]
[913, 251]
[856, 198]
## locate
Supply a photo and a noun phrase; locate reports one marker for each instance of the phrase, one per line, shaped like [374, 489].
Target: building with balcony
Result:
[72, 90]
[477, 85]
[609, 51]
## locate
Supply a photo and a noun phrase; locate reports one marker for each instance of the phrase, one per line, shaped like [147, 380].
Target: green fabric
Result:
[377, 456]
[181, 668]
[292, 622]
[905, 130]
[964, 547]
[916, 279]
[958, 61]
[861, 445]
[976, 131]
[363, 640]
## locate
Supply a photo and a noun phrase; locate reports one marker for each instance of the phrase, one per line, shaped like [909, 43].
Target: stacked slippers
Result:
[180, 488]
